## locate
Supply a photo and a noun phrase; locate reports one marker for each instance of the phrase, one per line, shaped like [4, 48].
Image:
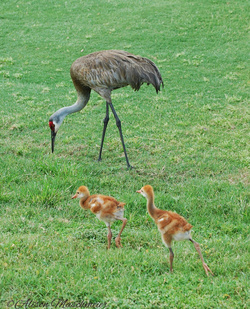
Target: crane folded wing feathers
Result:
[116, 69]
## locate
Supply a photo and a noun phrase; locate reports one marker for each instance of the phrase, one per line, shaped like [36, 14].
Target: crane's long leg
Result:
[171, 258]
[198, 249]
[118, 238]
[105, 124]
[109, 236]
[119, 126]
[167, 240]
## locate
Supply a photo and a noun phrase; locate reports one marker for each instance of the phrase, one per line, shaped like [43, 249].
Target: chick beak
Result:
[75, 196]
[53, 137]
[139, 191]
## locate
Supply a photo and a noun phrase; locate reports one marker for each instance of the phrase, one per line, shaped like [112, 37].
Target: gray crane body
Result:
[105, 71]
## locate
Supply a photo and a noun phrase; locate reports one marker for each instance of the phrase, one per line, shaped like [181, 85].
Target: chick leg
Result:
[118, 238]
[109, 236]
[198, 249]
[171, 258]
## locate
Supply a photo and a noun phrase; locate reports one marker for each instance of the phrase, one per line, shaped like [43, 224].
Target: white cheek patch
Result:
[57, 126]
[162, 219]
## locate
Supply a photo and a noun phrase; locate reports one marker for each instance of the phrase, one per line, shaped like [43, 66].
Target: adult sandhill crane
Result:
[171, 226]
[103, 72]
[106, 209]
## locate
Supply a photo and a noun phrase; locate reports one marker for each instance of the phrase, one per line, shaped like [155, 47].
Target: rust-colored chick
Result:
[106, 209]
[171, 226]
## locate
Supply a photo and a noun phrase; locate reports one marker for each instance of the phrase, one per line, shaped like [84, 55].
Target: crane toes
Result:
[207, 269]
[170, 272]
[118, 242]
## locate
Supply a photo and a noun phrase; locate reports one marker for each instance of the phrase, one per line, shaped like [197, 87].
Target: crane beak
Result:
[74, 196]
[53, 137]
[139, 191]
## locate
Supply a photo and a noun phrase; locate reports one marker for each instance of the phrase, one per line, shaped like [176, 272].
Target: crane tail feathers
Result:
[145, 71]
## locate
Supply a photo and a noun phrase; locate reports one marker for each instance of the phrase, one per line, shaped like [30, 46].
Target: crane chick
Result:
[171, 226]
[106, 209]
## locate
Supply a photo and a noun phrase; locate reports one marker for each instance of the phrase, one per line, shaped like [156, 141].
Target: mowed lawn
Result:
[190, 142]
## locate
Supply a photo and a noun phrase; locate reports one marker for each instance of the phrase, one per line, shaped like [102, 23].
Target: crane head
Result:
[53, 134]
[82, 193]
[55, 122]
[146, 191]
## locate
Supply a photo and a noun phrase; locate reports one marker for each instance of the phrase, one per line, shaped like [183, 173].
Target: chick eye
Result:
[77, 192]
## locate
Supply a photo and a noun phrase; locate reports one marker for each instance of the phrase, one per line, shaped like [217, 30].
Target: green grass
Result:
[190, 142]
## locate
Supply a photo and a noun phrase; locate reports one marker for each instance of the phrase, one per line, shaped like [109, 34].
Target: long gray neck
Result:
[59, 115]
[64, 111]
